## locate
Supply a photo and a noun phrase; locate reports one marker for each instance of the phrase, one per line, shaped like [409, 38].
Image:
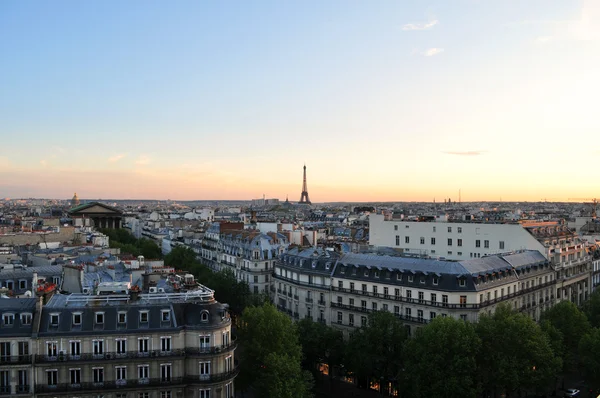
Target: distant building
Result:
[75, 201]
[96, 214]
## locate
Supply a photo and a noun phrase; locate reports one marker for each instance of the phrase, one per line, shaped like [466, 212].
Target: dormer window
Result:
[327, 265]
[410, 278]
[366, 272]
[435, 280]
[204, 316]
[165, 316]
[26, 319]
[462, 282]
[399, 277]
[376, 274]
[8, 319]
[143, 316]
[77, 319]
[99, 318]
[53, 319]
[122, 317]
[422, 281]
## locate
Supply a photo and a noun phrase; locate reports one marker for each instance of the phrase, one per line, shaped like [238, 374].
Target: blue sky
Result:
[388, 100]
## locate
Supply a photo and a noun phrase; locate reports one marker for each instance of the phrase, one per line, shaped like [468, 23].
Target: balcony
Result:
[208, 351]
[110, 356]
[134, 384]
[24, 389]
[212, 378]
[296, 297]
[16, 359]
[308, 300]
[5, 390]
[321, 320]
[289, 294]
[300, 283]
[321, 302]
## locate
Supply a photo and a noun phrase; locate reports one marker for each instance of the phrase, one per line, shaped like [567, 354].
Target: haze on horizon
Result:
[383, 101]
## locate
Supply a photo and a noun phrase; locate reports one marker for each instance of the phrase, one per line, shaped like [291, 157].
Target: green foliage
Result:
[122, 239]
[589, 352]
[591, 309]
[572, 324]
[440, 359]
[377, 359]
[515, 352]
[320, 344]
[271, 354]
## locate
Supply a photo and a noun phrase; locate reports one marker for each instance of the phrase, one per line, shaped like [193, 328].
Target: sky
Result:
[382, 100]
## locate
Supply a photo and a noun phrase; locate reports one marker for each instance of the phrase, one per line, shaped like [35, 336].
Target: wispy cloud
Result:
[420, 26]
[543, 39]
[117, 157]
[44, 163]
[432, 51]
[464, 153]
[143, 160]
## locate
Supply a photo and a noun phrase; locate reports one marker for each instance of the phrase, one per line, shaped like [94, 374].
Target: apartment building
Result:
[249, 254]
[167, 338]
[451, 240]
[302, 283]
[415, 290]
[15, 346]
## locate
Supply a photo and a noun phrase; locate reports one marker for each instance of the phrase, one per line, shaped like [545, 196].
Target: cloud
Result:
[44, 163]
[432, 51]
[143, 160]
[420, 26]
[117, 157]
[464, 153]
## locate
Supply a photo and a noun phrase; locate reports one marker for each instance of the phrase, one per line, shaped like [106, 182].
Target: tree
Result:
[591, 308]
[271, 354]
[572, 324]
[441, 359]
[380, 344]
[320, 344]
[589, 351]
[515, 353]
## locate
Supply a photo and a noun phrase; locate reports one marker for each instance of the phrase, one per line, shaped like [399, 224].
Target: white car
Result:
[572, 392]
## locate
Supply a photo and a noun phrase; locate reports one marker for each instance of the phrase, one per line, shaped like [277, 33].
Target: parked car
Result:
[572, 392]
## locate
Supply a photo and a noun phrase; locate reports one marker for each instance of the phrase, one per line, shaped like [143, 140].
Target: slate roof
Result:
[17, 306]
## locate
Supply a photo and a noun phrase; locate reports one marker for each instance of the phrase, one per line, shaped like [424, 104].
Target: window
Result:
[486, 244]
[98, 375]
[463, 301]
[99, 318]
[23, 347]
[53, 320]
[143, 316]
[444, 300]
[449, 241]
[98, 347]
[167, 394]
[340, 284]
[433, 229]
[450, 229]
[459, 242]
[26, 319]
[204, 394]
[459, 230]
[77, 319]
[410, 278]
[204, 342]
[5, 351]
[165, 316]
[463, 317]
[121, 374]
[385, 307]
[432, 315]
[477, 243]
[433, 297]
[121, 346]
[395, 227]
[462, 282]
[143, 395]
[406, 239]
[397, 240]
[75, 346]
[8, 319]
[22, 284]
[52, 348]
[75, 376]
[143, 372]
[420, 315]
[397, 293]
[204, 370]
[501, 245]
[386, 292]
[143, 345]
[23, 380]
[435, 280]
[351, 319]
[363, 321]
[122, 317]
[204, 316]
[433, 240]
[340, 317]
[396, 310]
[374, 306]
[409, 295]
[165, 344]
[408, 312]
[52, 377]
[421, 297]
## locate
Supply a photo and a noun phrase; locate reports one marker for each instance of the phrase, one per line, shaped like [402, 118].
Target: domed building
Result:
[75, 201]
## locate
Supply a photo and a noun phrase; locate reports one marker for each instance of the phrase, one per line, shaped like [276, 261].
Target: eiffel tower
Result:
[304, 196]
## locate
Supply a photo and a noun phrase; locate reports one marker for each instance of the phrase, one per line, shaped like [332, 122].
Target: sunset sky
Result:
[383, 100]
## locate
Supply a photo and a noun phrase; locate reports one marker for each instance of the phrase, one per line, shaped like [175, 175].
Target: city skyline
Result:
[399, 102]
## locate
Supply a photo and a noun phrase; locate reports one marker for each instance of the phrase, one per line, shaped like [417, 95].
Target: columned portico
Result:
[100, 215]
